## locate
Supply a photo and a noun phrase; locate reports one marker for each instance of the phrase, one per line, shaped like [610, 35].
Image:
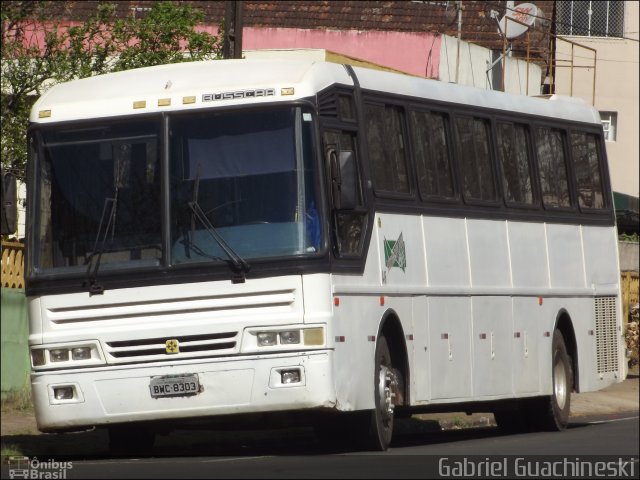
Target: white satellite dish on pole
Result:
[525, 13]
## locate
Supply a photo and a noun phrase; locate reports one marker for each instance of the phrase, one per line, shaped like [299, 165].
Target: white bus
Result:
[219, 239]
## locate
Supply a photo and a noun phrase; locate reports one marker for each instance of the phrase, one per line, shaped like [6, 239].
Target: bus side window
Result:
[387, 152]
[475, 158]
[515, 162]
[349, 224]
[433, 163]
[586, 163]
[552, 167]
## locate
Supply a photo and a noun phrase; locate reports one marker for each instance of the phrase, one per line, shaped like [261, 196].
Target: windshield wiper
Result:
[96, 288]
[240, 266]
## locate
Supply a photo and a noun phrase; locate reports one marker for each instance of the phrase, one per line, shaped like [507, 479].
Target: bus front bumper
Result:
[122, 394]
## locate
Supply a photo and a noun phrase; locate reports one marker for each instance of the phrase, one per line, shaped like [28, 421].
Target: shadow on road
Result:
[195, 443]
[93, 445]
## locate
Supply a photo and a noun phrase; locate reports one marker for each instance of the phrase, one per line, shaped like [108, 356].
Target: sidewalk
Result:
[621, 397]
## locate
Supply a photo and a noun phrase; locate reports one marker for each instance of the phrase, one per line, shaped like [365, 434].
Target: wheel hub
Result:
[388, 383]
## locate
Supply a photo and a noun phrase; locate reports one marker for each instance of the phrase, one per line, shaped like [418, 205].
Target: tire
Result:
[130, 441]
[552, 412]
[385, 382]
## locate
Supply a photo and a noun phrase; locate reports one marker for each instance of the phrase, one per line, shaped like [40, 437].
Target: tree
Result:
[39, 50]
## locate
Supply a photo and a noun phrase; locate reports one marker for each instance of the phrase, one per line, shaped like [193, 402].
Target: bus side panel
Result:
[602, 274]
[356, 318]
[450, 359]
[529, 263]
[420, 371]
[527, 337]
[600, 256]
[447, 254]
[492, 346]
[566, 268]
[401, 250]
[488, 253]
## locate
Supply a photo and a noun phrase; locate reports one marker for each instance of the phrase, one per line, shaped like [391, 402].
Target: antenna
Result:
[525, 16]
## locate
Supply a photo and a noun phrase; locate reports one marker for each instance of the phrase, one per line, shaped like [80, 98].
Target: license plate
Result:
[174, 386]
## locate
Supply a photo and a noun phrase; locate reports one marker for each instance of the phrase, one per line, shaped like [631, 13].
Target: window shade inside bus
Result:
[230, 146]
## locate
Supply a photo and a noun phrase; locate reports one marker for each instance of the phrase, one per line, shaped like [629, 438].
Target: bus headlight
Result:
[71, 355]
[283, 338]
[267, 339]
[37, 357]
[290, 337]
[59, 355]
[81, 353]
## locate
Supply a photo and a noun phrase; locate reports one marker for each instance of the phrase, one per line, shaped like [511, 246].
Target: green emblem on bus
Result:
[394, 253]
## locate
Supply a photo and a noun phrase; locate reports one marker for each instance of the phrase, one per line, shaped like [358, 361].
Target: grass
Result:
[18, 400]
[9, 450]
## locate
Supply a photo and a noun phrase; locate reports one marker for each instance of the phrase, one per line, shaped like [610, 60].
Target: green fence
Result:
[15, 332]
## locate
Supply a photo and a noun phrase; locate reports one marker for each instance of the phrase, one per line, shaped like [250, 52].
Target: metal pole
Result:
[239, 26]
[504, 53]
[232, 43]
[571, 77]
[595, 63]
[528, 45]
[459, 38]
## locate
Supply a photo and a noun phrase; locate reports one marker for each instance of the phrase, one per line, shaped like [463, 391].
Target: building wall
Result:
[474, 62]
[410, 52]
[616, 90]
[423, 54]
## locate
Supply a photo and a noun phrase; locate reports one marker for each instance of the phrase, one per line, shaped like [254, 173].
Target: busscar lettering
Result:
[239, 94]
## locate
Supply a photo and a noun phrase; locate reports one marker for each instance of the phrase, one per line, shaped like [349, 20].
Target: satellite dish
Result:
[526, 13]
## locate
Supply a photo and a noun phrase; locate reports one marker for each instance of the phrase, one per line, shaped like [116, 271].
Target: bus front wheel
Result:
[385, 385]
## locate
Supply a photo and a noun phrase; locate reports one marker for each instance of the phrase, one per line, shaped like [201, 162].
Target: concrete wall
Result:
[616, 90]
[414, 53]
[474, 62]
[629, 256]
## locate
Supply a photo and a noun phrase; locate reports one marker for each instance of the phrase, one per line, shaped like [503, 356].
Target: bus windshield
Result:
[240, 187]
[98, 197]
[250, 174]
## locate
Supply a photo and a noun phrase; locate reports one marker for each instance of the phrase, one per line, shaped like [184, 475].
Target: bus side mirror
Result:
[9, 204]
[344, 179]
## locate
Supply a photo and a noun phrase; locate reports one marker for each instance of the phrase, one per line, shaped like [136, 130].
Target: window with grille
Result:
[435, 174]
[609, 125]
[475, 158]
[552, 167]
[590, 19]
[514, 158]
[587, 167]
[387, 153]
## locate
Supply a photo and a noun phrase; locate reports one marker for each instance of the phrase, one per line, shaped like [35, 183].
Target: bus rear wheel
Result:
[552, 412]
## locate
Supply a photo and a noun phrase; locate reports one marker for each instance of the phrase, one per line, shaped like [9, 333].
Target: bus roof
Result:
[194, 85]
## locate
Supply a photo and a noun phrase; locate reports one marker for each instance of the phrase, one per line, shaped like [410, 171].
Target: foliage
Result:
[39, 50]
[625, 237]
[631, 334]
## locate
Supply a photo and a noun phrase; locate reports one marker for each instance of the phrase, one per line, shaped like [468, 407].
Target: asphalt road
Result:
[296, 453]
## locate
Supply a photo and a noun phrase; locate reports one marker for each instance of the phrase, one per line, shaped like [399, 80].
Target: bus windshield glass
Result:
[98, 198]
[250, 174]
[240, 188]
